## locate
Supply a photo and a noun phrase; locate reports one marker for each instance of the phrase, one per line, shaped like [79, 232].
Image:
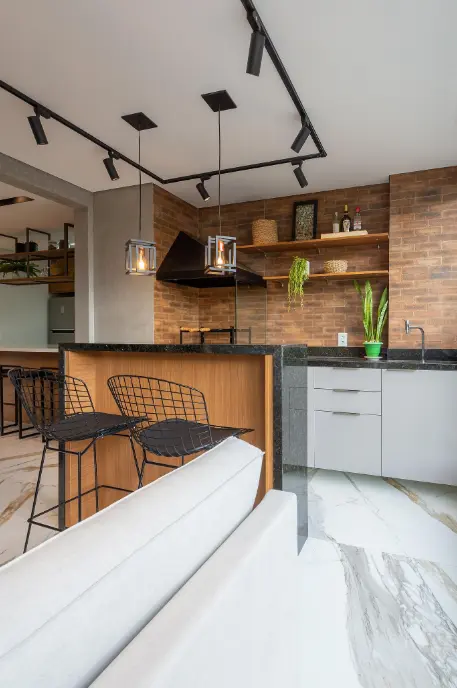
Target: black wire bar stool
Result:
[176, 418]
[8, 428]
[61, 409]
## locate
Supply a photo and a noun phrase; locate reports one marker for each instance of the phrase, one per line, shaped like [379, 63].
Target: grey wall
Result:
[123, 305]
[24, 316]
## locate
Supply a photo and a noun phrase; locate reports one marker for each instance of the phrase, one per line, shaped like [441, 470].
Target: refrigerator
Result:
[61, 320]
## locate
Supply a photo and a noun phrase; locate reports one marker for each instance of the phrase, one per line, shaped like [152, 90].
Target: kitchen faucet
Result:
[409, 327]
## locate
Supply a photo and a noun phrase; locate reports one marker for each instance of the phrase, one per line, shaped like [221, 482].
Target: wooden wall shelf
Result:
[282, 246]
[334, 276]
[38, 255]
[52, 279]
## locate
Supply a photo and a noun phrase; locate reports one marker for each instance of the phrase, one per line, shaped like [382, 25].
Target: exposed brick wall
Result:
[423, 257]
[330, 307]
[173, 305]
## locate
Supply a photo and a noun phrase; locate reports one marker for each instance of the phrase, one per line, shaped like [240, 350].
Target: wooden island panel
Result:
[238, 391]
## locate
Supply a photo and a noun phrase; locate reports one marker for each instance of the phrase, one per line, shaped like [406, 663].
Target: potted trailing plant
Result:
[298, 275]
[373, 331]
[16, 267]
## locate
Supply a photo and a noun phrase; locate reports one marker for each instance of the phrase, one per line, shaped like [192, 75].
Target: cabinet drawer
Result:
[347, 378]
[349, 443]
[348, 400]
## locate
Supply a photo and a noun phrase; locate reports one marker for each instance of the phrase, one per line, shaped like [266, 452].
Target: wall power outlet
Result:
[342, 339]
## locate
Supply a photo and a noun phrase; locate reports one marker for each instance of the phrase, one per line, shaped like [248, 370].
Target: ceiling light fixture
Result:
[301, 138]
[140, 254]
[202, 189]
[110, 166]
[298, 172]
[37, 127]
[220, 252]
[256, 48]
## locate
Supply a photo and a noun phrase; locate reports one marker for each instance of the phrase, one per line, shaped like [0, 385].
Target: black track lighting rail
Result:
[257, 25]
[85, 134]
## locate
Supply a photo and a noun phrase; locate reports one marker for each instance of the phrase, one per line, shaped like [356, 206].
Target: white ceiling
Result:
[376, 76]
[38, 214]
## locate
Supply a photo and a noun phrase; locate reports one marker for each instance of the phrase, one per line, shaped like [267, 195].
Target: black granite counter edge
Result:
[289, 352]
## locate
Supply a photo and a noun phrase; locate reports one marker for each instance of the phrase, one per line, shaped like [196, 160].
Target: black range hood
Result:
[185, 264]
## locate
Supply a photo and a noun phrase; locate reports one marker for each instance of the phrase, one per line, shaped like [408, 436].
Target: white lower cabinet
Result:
[419, 425]
[348, 442]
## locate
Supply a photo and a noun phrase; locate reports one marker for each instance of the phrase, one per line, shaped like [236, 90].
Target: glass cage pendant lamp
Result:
[220, 251]
[140, 254]
[220, 255]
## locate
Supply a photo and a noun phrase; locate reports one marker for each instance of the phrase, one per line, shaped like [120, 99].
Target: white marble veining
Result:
[380, 581]
[19, 464]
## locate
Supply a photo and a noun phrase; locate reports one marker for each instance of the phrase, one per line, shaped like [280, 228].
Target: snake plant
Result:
[373, 332]
[298, 275]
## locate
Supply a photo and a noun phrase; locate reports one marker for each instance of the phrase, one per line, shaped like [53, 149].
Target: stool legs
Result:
[35, 497]
[95, 476]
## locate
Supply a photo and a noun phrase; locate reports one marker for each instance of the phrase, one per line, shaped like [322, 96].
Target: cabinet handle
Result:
[353, 391]
[345, 413]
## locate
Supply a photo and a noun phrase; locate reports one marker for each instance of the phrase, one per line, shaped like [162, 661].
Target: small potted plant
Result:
[298, 275]
[17, 267]
[373, 332]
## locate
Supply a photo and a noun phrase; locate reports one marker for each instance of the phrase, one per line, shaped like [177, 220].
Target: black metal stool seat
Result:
[177, 423]
[180, 437]
[61, 409]
[88, 426]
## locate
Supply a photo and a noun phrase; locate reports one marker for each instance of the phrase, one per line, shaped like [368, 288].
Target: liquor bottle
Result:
[345, 224]
[357, 220]
[336, 224]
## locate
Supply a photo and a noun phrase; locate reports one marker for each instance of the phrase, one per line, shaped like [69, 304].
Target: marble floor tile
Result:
[367, 511]
[377, 620]
[19, 465]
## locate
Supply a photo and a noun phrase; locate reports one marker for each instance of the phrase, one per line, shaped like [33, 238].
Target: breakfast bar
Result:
[261, 387]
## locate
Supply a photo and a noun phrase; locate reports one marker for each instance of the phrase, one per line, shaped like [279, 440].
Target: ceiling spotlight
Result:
[37, 127]
[298, 172]
[301, 138]
[110, 167]
[202, 189]
[255, 53]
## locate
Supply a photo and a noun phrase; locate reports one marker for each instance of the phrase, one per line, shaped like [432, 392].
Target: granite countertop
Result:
[29, 350]
[289, 354]
[393, 359]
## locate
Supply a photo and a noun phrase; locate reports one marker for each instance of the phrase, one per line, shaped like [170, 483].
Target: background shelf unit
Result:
[38, 255]
[51, 279]
[282, 246]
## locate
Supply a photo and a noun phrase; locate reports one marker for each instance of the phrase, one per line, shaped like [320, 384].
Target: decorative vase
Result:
[373, 349]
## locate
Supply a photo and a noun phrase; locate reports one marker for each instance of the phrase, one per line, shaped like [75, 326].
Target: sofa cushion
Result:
[70, 605]
[236, 622]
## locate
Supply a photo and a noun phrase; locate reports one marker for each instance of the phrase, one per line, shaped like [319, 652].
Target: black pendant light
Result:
[220, 252]
[301, 179]
[140, 255]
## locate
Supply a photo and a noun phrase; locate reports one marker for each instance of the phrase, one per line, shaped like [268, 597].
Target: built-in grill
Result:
[232, 332]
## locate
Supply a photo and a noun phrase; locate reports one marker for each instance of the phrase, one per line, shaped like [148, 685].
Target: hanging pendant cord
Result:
[139, 176]
[220, 165]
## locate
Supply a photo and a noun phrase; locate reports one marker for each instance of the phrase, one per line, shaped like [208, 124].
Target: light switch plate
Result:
[342, 339]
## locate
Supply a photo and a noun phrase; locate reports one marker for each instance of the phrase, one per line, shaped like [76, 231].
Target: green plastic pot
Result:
[373, 349]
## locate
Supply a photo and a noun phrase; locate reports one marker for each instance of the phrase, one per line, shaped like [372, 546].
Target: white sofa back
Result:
[236, 621]
[71, 605]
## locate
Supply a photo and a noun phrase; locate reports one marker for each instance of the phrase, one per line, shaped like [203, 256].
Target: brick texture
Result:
[421, 209]
[330, 307]
[423, 257]
[173, 306]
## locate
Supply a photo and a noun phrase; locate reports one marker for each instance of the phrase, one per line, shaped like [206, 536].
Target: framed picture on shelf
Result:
[305, 220]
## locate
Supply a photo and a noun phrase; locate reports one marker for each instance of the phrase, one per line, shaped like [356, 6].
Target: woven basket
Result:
[335, 266]
[264, 232]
